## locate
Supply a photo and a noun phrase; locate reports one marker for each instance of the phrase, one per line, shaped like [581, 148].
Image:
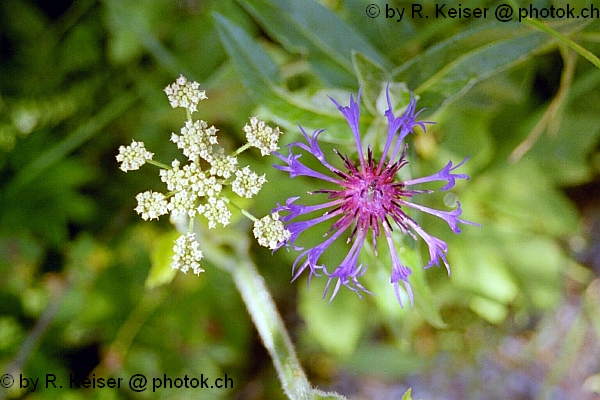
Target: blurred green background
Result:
[518, 318]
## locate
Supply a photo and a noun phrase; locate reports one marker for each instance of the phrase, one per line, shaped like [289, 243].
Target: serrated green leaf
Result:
[161, 272]
[308, 28]
[446, 71]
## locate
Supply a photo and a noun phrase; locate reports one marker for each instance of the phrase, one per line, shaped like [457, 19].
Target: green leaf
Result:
[538, 264]
[325, 320]
[385, 361]
[423, 296]
[407, 395]
[419, 69]
[481, 270]
[371, 77]
[501, 266]
[588, 55]
[446, 71]
[257, 70]
[83, 133]
[466, 132]
[522, 195]
[565, 159]
[162, 255]
[312, 112]
[378, 278]
[308, 28]
[259, 74]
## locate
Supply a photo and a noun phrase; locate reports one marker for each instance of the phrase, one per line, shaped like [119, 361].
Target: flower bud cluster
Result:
[183, 93]
[262, 136]
[132, 157]
[270, 231]
[187, 254]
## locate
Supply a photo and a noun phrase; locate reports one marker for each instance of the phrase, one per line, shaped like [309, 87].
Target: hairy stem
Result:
[264, 314]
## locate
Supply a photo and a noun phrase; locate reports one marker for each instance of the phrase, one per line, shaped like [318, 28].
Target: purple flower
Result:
[368, 196]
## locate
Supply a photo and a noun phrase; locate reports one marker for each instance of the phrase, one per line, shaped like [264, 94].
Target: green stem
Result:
[241, 149]
[246, 213]
[588, 55]
[129, 329]
[158, 164]
[270, 327]
[263, 312]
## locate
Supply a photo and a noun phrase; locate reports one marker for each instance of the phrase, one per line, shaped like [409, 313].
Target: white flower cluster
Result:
[215, 211]
[151, 205]
[190, 184]
[187, 254]
[270, 231]
[262, 136]
[247, 182]
[223, 165]
[132, 157]
[185, 94]
[196, 140]
[196, 187]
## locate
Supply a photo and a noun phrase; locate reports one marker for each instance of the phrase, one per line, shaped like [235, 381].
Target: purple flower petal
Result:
[313, 147]
[444, 175]
[295, 210]
[348, 272]
[352, 115]
[399, 271]
[451, 217]
[296, 168]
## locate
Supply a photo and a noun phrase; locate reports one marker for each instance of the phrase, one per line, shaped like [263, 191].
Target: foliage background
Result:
[519, 316]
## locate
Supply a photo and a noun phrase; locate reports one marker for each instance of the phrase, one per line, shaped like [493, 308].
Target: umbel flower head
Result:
[368, 197]
[196, 188]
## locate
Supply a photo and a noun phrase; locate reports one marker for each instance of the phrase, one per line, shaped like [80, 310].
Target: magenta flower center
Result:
[374, 192]
[371, 196]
